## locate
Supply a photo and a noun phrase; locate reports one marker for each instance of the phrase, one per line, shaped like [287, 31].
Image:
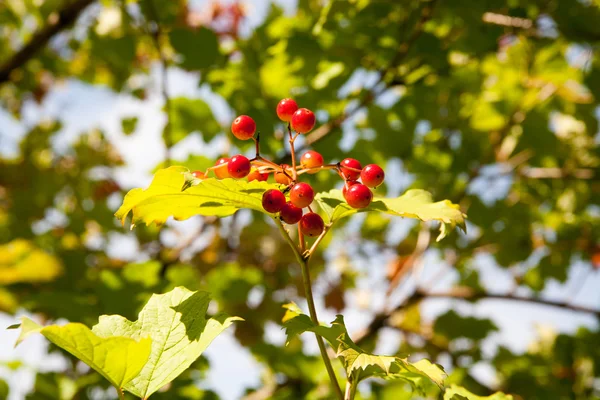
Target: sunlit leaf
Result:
[180, 331]
[459, 393]
[119, 359]
[412, 204]
[165, 198]
[21, 261]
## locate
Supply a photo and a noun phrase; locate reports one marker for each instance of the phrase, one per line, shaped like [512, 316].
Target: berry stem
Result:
[257, 142]
[301, 240]
[312, 249]
[311, 308]
[293, 153]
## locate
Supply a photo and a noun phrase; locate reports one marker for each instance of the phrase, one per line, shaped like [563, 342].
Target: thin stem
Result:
[301, 240]
[293, 153]
[311, 308]
[312, 249]
[121, 394]
[350, 389]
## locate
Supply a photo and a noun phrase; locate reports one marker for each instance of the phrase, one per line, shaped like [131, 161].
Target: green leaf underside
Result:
[357, 362]
[414, 203]
[459, 393]
[118, 359]
[164, 198]
[177, 324]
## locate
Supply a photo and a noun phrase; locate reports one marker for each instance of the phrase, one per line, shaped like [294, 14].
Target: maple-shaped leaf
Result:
[414, 203]
[358, 363]
[174, 193]
[180, 331]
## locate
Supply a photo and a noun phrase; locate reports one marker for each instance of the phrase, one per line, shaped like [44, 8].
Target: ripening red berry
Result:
[238, 166]
[282, 178]
[290, 214]
[303, 120]
[350, 169]
[221, 172]
[311, 224]
[302, 194]
[311, 159]
[347, 185]
[243, 127]
[256, 175]
[199, 175]
[358, 196]
[285, 109]
[372, 175]
[273, 200]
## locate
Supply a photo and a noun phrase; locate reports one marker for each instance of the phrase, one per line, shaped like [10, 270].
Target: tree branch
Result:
[57, 21]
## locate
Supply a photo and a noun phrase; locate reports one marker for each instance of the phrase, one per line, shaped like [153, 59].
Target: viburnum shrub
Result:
[135, 356]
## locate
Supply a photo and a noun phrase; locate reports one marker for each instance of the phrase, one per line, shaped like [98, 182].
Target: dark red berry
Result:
[221, 172]
[347, 185]
[290, 214]
[350, 169]
[285, 109]
[359, 196]
[311, 224]
[256, 175]
[302, 194]
[303, 120]
[282, 178]
[273, 200]
[372, 175]
[238, 166]
[311, 159]
[243, 127]
[199, 175]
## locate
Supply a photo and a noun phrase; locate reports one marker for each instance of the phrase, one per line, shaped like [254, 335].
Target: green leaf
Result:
[412, 204]
[128, 125]
[189, 115]
[198, 49]
[177, 324]
[118, 359]
[358, 363]
[164, 198]
[21, 261]
[459, 393]
[453, 326]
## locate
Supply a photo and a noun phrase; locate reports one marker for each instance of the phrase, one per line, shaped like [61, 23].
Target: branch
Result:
[57, 21]
[470, 295]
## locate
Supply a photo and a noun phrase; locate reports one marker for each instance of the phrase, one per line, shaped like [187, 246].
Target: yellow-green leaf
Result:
[165, 197]
[21, 261]
[180, 331]
[459, 393]
[412, 204]
[119, 359]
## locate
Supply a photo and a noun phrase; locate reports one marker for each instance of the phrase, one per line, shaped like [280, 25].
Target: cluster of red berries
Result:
[301, 194]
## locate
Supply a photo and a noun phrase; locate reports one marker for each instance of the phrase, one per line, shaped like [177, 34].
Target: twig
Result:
[57, 21]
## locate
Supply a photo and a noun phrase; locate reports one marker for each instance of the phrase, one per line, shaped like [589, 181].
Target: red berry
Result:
[221, 172]
[347, 186]
[303, 120]
[239, 166]
[302, 195]
[255, 175]
[311, 224]
[243, 127]
[372, 175]
[358, 196]
[350, 169]
[282, 178]
[290, 214]
[285, 109]
[199, 175]
[273, 200]
[311, 159]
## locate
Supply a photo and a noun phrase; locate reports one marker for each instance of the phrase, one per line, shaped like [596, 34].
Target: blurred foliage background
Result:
[492, 104]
